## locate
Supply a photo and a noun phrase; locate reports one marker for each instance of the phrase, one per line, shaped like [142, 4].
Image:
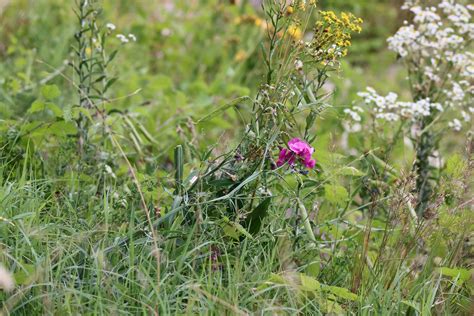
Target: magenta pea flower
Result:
[298, 150]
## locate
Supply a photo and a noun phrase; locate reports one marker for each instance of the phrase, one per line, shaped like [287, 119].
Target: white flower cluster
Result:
[123, 38]
[436, 50]
[388, 107]
[110, 26]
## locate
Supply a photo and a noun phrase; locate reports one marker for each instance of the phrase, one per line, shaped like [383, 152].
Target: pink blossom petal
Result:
[297, 149]
[291, 159]
[310, 163]
[297, 146]
[281, 157]
[285, 156]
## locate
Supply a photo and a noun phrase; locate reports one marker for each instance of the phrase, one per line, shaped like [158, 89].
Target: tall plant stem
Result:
[425, 148]
[83, 69]
[309, 229]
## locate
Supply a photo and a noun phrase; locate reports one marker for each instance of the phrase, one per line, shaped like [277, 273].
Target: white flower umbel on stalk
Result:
[388, 107]
[436, 50]
[455, 125]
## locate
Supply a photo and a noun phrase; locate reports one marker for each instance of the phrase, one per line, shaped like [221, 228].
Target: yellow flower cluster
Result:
[332, 36]
[295, 32]
[346, 20]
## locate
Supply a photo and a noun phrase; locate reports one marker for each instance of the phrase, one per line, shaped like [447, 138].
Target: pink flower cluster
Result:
[299, 151]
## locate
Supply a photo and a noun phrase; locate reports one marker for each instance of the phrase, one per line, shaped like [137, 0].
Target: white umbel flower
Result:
[435, 47]
[455, 125]
[110, 26]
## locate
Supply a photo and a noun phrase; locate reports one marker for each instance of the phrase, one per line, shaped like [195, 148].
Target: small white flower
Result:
[122, 38]
[298, 65]
[455, 125]
[354, 115]
[132, 37]
[110, 26]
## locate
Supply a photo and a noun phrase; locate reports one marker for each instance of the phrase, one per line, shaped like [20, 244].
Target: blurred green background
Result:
[190, 55]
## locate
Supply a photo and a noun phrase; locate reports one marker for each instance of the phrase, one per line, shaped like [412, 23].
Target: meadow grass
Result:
[208, 168]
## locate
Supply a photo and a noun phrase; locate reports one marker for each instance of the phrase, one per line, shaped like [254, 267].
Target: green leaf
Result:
[231, 231]
[335, 194]
[23, 276]
[288, 278]
[109, 84]
[457, 273]
[253, 222]
[276, 278]
[383, 165]
[273, 279]
[60, 128]
[332, 307]
[412, 304]
[350, 171]
[57, 111]
[455, 166]
[77, 111]
[234, 230]
[63, 128]
[40, 106]
[67, 113]
[36, 106]
[112, 56]
[50, 92]
[309, 284]
[178, 165]
[341, 292]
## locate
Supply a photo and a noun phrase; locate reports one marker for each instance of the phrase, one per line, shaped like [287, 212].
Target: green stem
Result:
[306, 222]
[425, 149]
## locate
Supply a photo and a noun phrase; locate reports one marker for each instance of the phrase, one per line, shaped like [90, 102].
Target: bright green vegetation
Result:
[152, 192]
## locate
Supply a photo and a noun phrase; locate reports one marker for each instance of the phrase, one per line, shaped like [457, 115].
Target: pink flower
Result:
[286, 156]
[298, 149]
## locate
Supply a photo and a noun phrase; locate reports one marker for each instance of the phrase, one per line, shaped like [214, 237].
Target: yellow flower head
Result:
[259, 22]
[88, 51]
[295, 32]
[332, 36]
